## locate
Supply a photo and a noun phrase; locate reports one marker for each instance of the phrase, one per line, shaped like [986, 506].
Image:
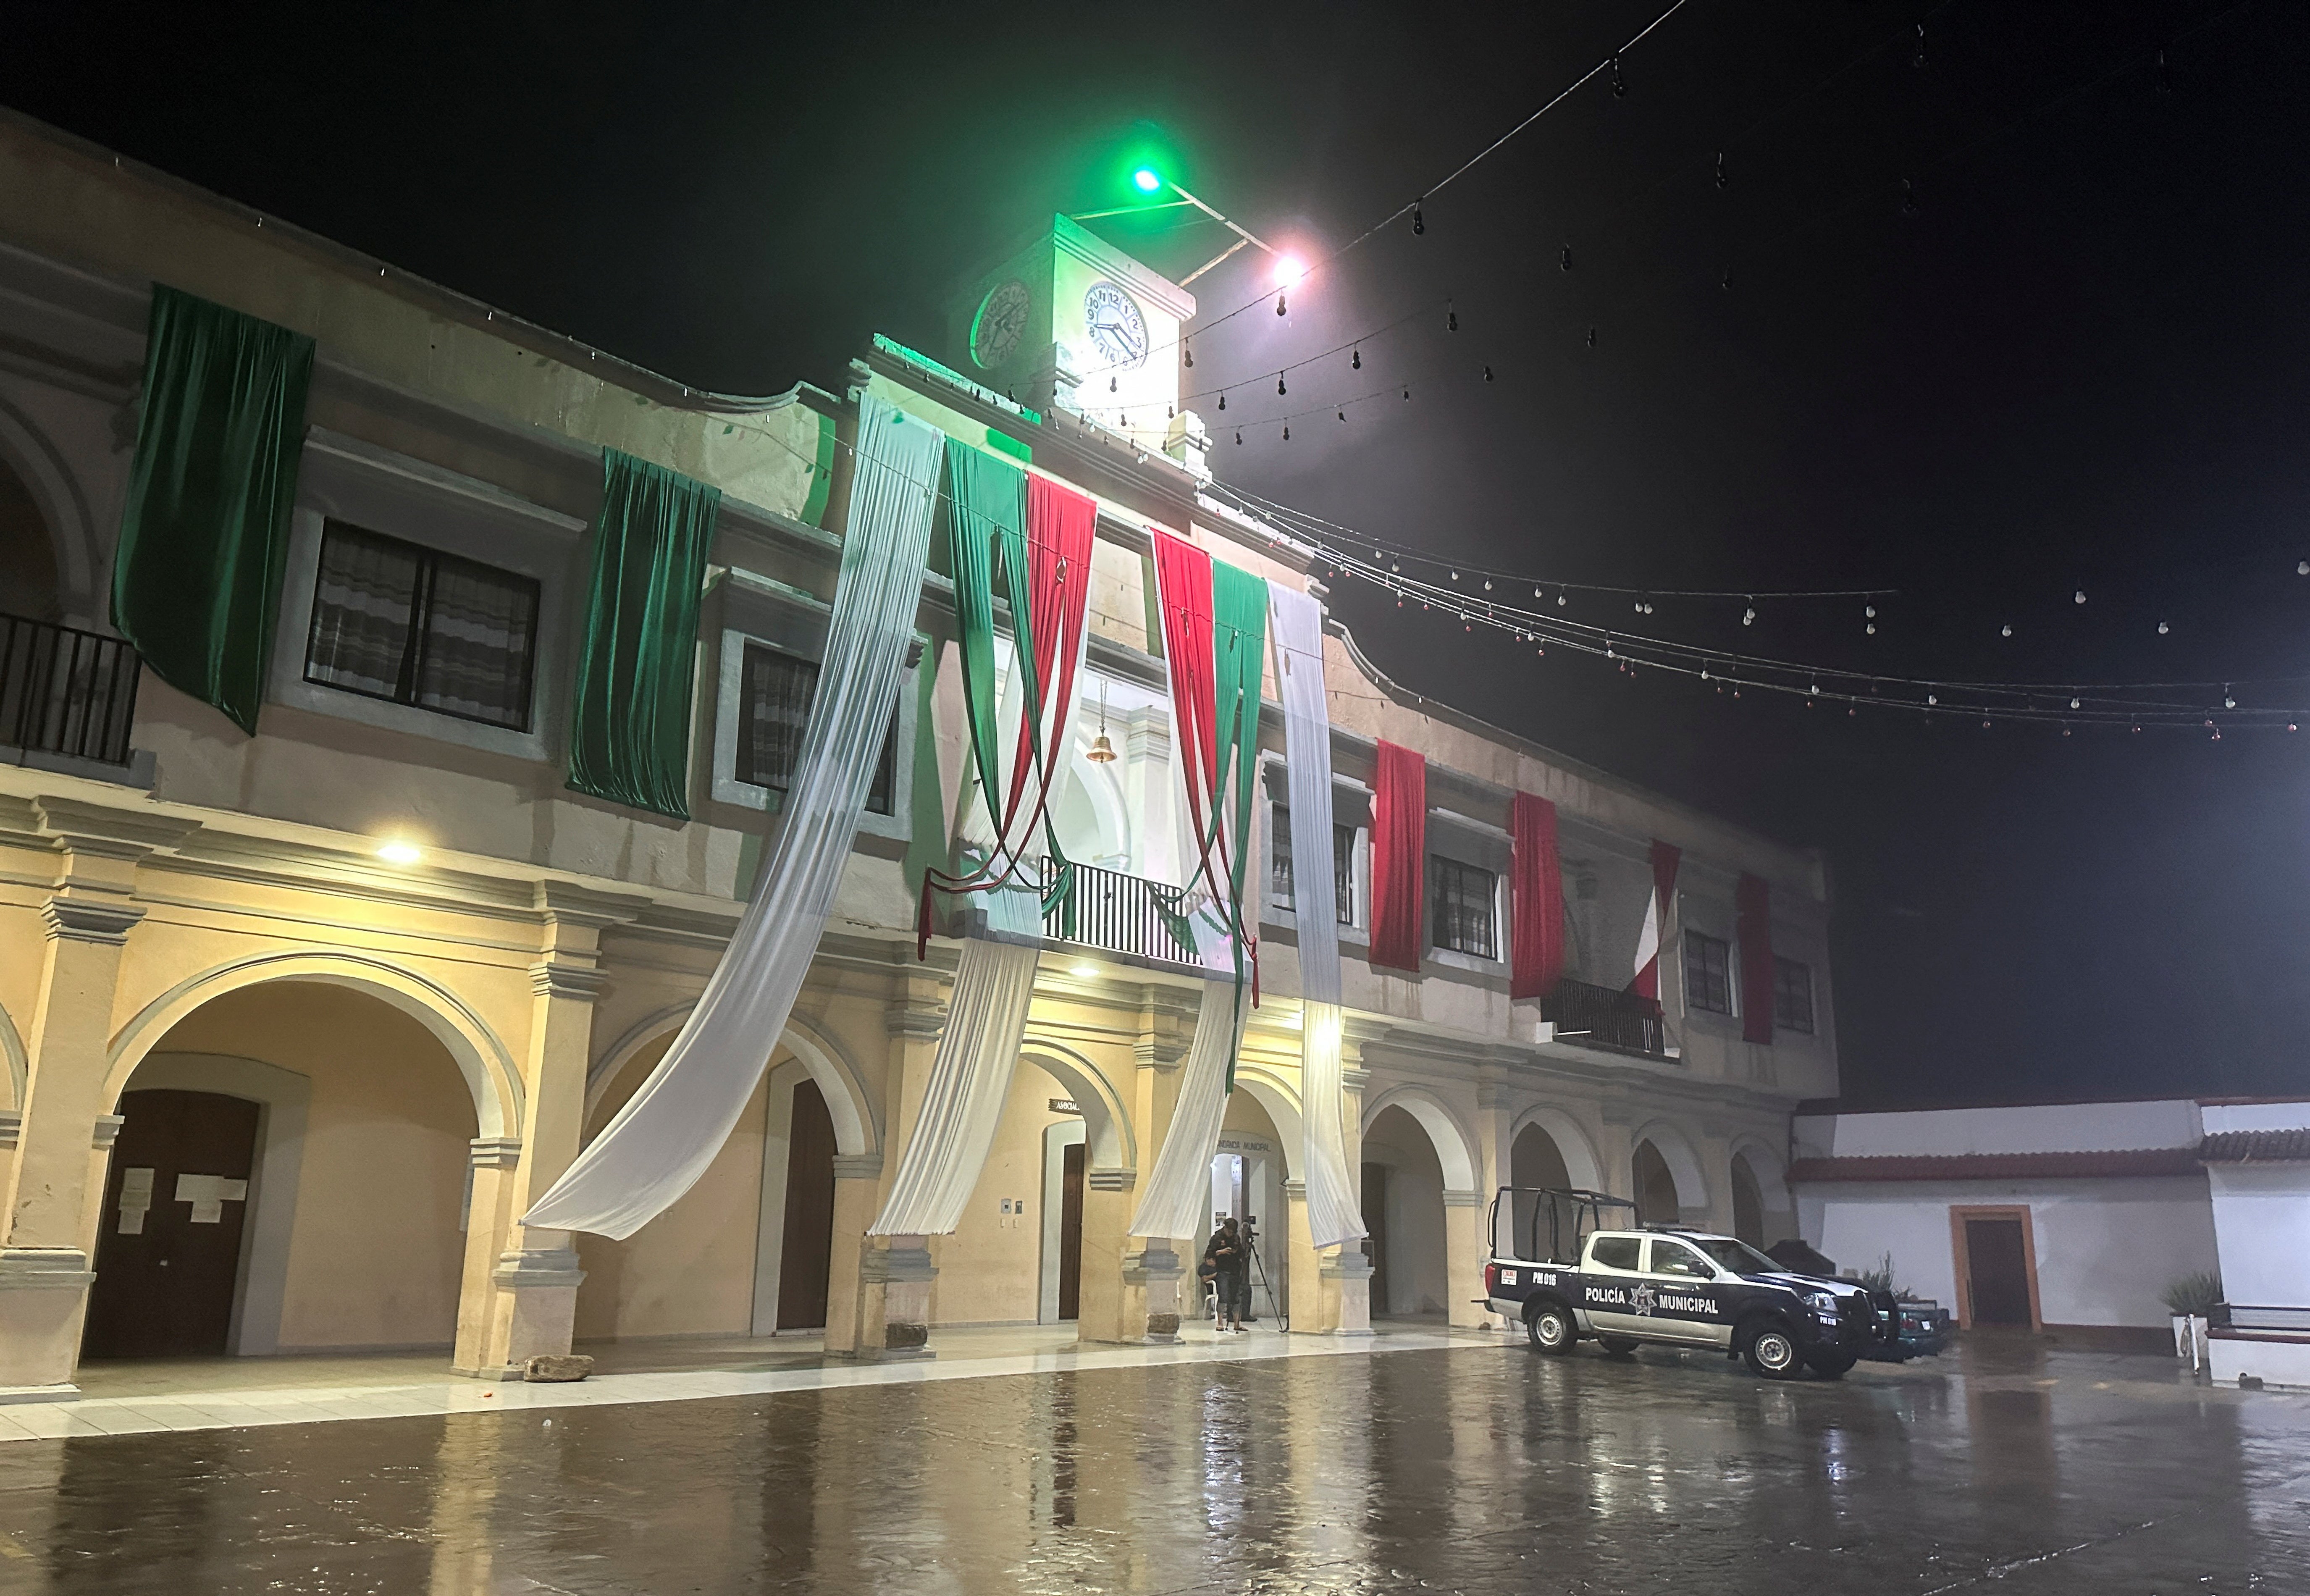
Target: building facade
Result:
[297, 1023]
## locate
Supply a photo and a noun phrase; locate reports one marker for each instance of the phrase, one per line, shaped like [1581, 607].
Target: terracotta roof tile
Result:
[2255, 1147]
[2085, 1166]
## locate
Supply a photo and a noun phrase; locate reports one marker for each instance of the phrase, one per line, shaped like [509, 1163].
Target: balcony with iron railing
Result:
[1587, 1015]
[1114, 913]
[67, 697]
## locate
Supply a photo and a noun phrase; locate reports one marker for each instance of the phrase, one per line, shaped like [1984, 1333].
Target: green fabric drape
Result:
[986, 504]
[630, 720]
[928, 847]
[1238, 659]
[196, 582]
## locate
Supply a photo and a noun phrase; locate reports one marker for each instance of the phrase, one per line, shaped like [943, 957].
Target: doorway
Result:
[168, 1255]
[807, 1249]
[1071, 1199]
[1996, 1268]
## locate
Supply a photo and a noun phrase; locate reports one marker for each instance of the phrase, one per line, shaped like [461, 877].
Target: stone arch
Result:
[480, 1056]
[857, 1123]
[26, 450]
[1454, 1149]
[1107, 1120]
[1102, 790]
[1692, 1195]
[1754, 1160]
[1581, 1166]
[13, 1055]
[1268, 1090]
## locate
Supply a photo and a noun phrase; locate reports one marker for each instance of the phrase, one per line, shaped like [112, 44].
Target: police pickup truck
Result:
[1671, 1287]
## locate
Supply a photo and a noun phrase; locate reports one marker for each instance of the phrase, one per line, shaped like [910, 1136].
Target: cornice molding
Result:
[564, 979]
[89, 919]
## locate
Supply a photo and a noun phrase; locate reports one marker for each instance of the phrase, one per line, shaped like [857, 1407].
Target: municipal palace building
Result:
[324, 957]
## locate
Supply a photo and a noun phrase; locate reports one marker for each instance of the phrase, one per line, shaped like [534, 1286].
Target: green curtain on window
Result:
[196, 580]
[629, 732]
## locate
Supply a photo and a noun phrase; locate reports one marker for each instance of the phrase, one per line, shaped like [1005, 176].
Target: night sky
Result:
[2070, 355]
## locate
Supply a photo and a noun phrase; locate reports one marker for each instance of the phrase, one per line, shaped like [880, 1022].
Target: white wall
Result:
[2262, 1213]
[2047, 1128]
[2106, 1248]
[2255, 1116]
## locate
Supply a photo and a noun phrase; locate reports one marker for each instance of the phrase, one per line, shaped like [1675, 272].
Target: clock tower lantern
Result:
[1071, 323]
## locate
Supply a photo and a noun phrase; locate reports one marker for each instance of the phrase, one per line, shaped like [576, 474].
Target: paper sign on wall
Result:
[135, 1198]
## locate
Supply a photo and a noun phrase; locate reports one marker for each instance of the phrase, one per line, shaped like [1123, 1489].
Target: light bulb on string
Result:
[1222, 401]
[1280, 388]
[1356, 361]
[1748, 615]
[1418, 222]
[1592, 338]
[1620, 88]
[1110, 385]
[2073, 703]
[1868, 611]
[1343, 414]
[1451, 317]
[1722, 180]
[2005, 631]
[1488, 374]
[1239, 436]
[1918, 60]
[2227, 702]
[1487, 584]
[2302, 567]
[1287, 432]
[1407, 396]
[2165, 78]
[2162, 628]
[1561, 601]
[1279, 301]
[2078, 597]
[1188, 349]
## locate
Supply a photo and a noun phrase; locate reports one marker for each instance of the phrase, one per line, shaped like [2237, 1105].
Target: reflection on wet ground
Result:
[1481, 1469]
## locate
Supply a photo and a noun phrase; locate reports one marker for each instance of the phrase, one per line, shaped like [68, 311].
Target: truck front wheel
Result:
[1771, 1352]
[1551, 1330]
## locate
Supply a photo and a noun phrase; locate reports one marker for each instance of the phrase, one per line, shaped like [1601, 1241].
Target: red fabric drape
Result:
[1537, 892]
[1182, 582]
[1666, 856]
[1059, 526]
[1754, 899]
[1399, 857]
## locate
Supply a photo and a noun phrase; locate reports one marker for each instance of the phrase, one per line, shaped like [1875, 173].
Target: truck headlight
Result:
[1824, 1302]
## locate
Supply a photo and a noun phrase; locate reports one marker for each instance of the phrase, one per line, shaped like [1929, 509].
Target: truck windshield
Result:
[1738, 1256]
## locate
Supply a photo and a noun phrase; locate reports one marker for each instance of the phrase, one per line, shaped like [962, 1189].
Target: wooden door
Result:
[1997, 1271]
[1071, 1195]
[1374, 1205]
[167, 1251]
[807, 1253]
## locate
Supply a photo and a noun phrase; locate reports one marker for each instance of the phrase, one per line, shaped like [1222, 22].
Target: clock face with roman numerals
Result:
[1000, 322]
[1117, 328]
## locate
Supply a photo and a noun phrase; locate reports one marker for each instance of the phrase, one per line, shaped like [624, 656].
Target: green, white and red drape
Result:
[1037, 535]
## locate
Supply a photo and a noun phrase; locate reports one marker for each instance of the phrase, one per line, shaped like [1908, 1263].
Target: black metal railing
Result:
[1606, 1018]
[1121, 914]
[66, 691]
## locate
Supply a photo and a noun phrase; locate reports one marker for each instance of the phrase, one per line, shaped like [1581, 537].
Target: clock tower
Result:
[1071, 323]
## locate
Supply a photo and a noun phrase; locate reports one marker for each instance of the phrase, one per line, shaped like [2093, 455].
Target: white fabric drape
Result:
[970, 1078]
[1333, 1214]
[667, 1134]
[1175, 1199]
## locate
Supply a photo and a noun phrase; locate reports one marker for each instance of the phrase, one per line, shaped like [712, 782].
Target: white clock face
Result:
[1114, 326]
[1000, 322]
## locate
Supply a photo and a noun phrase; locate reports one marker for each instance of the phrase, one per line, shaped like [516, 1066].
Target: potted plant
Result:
[2190, 1298]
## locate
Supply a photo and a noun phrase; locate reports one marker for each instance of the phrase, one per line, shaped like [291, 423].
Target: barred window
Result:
[1282, 889]
[774, 697]
[1343, 874]
[412, 625]
[1708, 973]
[1792, 995]
[1463, 899]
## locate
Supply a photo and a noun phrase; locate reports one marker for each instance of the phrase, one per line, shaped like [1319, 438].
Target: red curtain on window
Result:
[1537, 892]
[1399, 856]
[1754, 899]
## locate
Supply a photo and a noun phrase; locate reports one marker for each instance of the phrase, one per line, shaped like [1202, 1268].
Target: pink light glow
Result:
[1289, 270]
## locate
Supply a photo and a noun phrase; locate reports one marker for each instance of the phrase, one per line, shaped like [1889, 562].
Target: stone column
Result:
[1496, 1155]
[1347, 1271]
[1113, 1304]
[891, 1306]
[1304, 1288]
[526, 1303]
[1464, 1252]
[858, 1194]
[56, 1182]
[1153, 1278]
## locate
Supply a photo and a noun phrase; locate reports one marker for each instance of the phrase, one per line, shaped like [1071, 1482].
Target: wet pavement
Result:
[1477, 1469]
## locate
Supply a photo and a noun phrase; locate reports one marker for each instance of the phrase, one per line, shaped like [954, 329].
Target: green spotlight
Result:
[1146, 179]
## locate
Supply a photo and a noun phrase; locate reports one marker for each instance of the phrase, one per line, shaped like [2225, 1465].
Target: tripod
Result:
[1259, 1280]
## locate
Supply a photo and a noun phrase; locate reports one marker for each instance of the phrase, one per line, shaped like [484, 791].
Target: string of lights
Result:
[2166, 704]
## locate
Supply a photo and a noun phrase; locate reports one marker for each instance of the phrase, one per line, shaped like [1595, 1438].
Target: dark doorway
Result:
[808, 1249]
[1374, 1205]
[1071, 1193]
[167, 1251]
[1656, 1194]
[1997, 1273]
[1748, 1204]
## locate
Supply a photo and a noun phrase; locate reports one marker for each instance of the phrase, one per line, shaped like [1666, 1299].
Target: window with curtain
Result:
[1343, 873]
[774, 695]
[1792, 995]
[1281, 891]
[1707, 973]
[395, 621]
[1464, 898]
